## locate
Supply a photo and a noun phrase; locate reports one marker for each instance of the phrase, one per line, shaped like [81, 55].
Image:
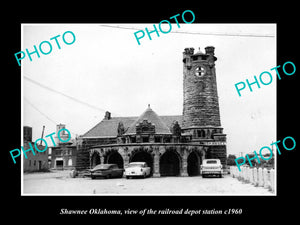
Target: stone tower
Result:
[200, 96]
[201, 116]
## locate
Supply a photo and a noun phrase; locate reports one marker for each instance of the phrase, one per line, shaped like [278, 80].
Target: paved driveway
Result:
[60, 183]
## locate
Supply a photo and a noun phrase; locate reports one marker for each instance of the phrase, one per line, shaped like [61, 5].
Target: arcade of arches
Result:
[163, 161]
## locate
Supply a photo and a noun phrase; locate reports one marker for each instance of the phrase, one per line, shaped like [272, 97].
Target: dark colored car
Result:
[106, 171]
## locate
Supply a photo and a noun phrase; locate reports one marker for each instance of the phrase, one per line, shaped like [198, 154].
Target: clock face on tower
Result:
[200, 71]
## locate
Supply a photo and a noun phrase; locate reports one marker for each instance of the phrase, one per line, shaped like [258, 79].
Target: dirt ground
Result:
[60, 183]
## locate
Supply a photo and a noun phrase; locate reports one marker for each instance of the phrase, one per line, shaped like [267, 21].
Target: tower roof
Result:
[199, 52]
[151, 117]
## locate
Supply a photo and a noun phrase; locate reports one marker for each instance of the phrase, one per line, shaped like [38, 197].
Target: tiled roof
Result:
[109, 127]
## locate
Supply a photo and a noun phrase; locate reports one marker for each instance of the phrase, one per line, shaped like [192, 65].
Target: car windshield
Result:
[211, 162]
[103, 166]
[135, 165]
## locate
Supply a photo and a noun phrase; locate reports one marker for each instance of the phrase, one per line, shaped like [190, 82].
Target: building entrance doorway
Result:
[193, 164]
[59, 164]
[95, 160]
[115, 158]
[169, 164]
[143, 156]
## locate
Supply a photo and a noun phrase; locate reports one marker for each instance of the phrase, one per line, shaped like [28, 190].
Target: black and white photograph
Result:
[158, 117]
[133, 113]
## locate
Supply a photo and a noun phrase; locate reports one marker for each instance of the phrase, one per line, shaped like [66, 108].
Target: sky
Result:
[106, 70]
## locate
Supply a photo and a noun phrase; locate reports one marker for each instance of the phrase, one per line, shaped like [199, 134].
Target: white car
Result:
[137, 169]
[211, 167]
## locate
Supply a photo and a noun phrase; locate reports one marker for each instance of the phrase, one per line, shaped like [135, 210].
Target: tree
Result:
[230, 160]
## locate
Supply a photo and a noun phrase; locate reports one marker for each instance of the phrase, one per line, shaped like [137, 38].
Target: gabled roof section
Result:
[153, 118]
[109, 127]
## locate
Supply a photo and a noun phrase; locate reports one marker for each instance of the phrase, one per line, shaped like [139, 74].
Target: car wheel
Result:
[144, 175]
[107, 176]
[93, 177]
[127, 177]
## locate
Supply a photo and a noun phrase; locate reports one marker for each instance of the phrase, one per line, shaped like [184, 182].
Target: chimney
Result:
[107, 115]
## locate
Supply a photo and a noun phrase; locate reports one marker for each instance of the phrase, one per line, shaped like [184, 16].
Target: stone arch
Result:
[114, 157]
[193, 163]
[170, 163]
[143, 156]
[94, 159]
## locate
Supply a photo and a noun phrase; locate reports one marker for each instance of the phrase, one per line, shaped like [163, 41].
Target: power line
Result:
[197, 33]
[33, 106]
[65, 95]
[37, 109]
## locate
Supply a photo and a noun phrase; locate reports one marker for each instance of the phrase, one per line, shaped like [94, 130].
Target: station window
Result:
[145, 139]
[133, 139]
[167, 140]
[157, 139]
[198, 133]
[70, 162]
[201, 133]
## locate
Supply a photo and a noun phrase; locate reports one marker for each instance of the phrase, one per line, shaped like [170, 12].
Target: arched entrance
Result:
[193, 164]
[143, 156]
[115, 158]
[169, 164]
[95, 159]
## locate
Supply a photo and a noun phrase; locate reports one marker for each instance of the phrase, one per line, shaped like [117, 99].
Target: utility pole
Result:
[42, 135]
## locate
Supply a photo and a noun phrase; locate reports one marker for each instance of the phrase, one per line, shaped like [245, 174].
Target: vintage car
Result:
[137, 169]
[211, 167]
[106, 171]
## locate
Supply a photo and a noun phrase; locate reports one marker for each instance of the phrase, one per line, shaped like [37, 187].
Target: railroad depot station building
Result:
[171, 145]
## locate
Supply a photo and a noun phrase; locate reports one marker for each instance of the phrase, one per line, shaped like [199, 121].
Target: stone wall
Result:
[160, 155]
[82, 155]
[200, 98]
[217, 152]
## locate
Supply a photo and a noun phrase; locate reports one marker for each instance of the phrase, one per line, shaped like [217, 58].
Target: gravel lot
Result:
[60, 183]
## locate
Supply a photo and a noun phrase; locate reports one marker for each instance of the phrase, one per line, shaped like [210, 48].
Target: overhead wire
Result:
[65, 95]
[196, 33]
[37, 109]
[61, 93]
